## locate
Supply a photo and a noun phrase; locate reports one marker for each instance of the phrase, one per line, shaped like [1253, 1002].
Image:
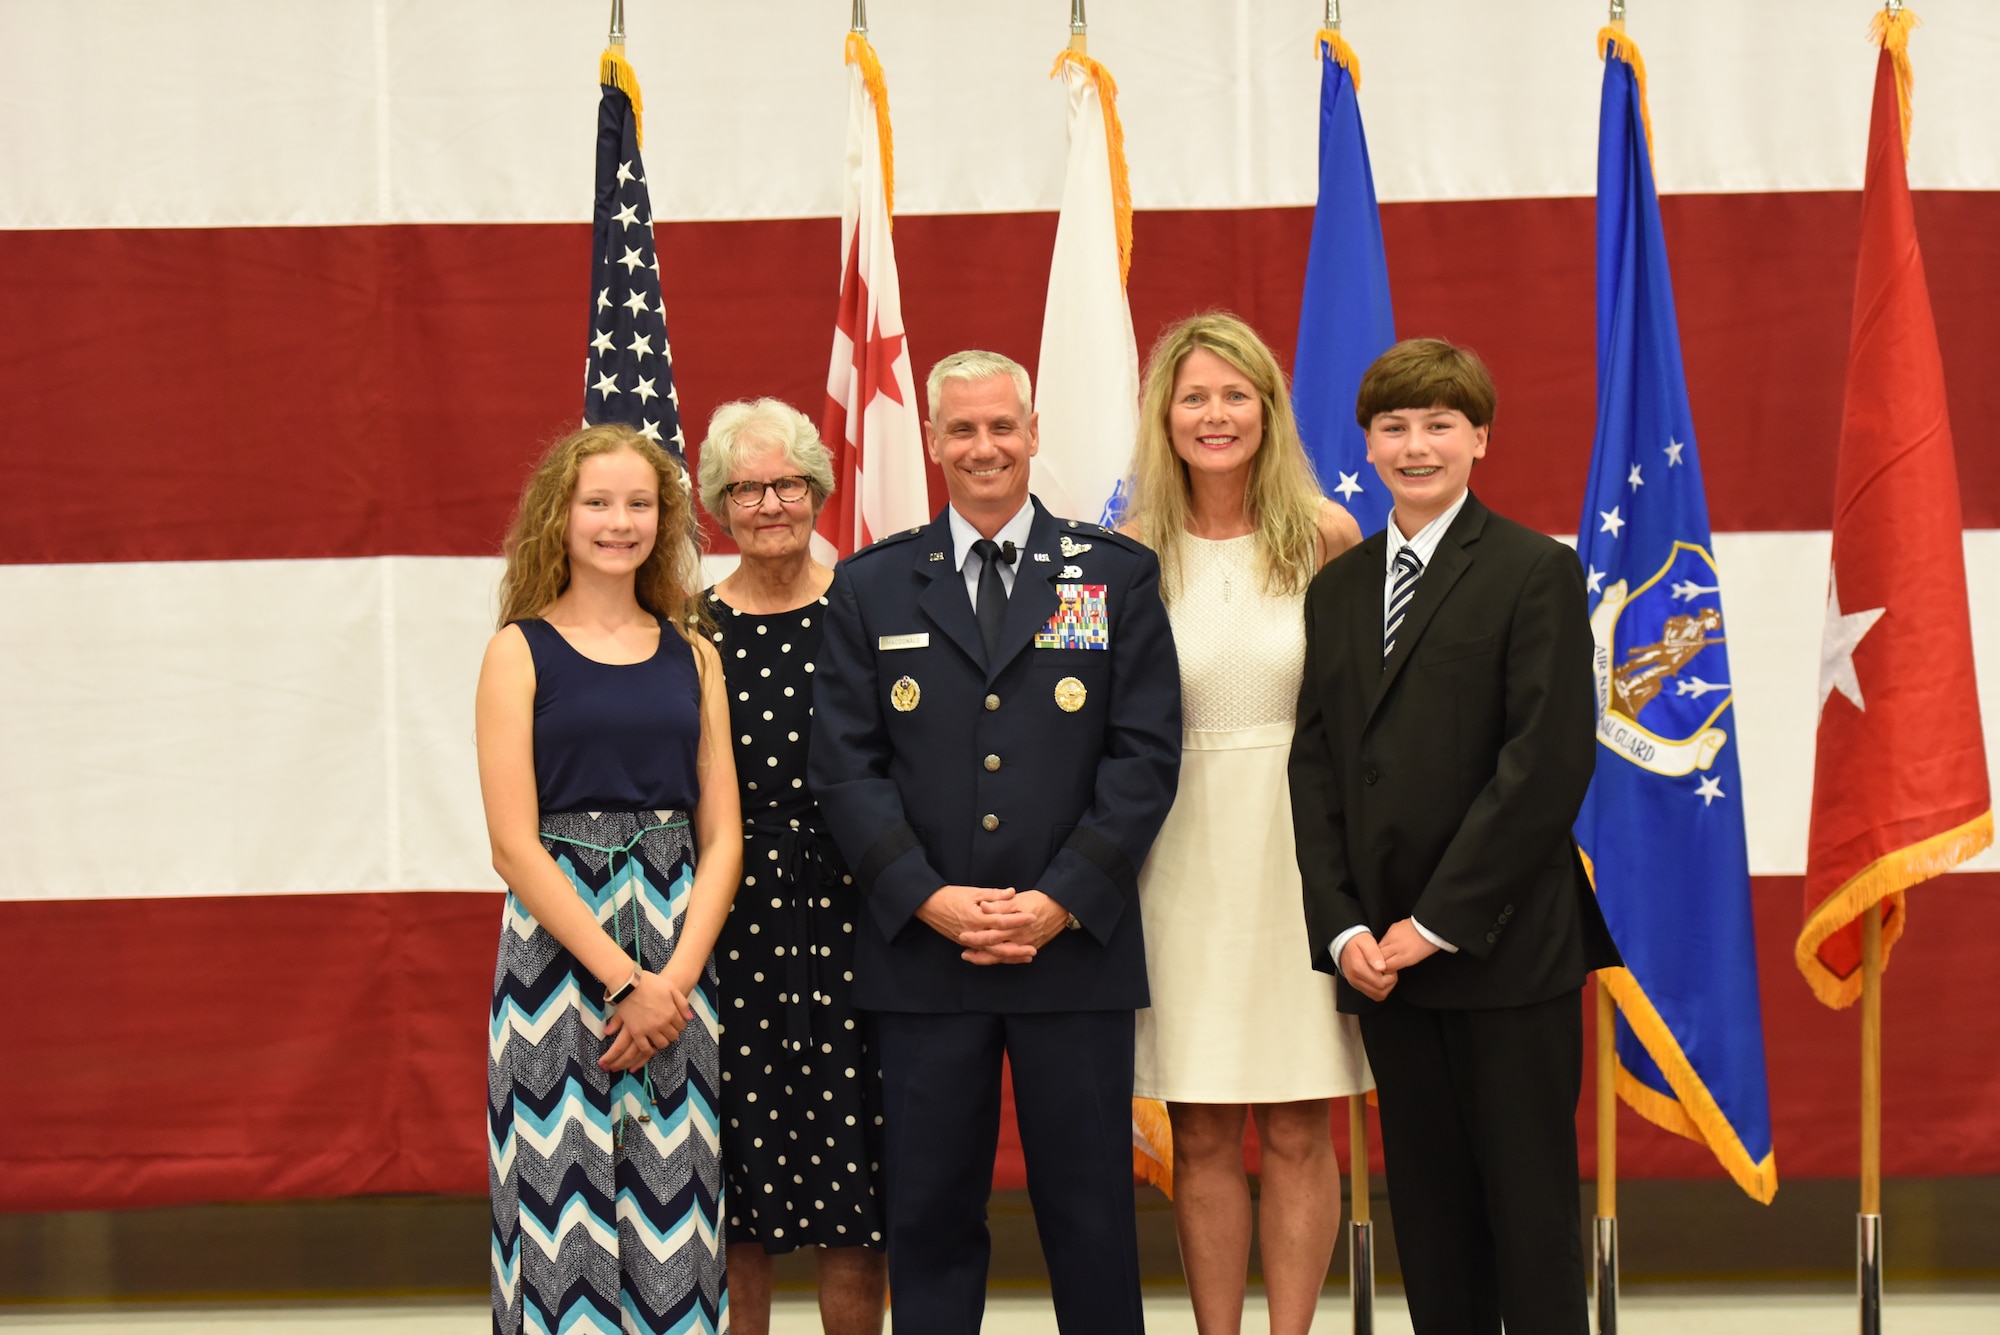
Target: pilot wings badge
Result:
[1655, 708]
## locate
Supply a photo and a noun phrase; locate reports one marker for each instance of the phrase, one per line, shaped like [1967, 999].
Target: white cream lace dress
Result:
[1239, 1015]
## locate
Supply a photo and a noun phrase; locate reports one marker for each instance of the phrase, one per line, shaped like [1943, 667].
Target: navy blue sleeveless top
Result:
[614, 737]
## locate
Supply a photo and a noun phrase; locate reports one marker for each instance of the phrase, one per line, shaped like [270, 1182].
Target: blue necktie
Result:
[1409, 569]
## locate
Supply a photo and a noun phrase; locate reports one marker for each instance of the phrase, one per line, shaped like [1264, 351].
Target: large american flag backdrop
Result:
[291, 295]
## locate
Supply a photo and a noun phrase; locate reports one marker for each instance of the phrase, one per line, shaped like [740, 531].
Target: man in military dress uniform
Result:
[996, 741]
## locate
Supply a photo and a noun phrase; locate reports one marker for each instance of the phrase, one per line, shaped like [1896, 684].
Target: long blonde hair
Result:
[537, 546]
[1283, 496]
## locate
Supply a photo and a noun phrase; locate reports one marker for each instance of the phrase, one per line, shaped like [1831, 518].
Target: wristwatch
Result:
[614, 995]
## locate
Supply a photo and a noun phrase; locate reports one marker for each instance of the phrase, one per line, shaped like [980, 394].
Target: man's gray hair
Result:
[742, 428]
[976, 365]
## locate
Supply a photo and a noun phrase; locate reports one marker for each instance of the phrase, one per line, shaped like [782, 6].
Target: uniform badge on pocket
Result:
[1080, 620]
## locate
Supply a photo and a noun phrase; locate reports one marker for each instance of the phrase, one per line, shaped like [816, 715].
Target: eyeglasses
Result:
[750, 495]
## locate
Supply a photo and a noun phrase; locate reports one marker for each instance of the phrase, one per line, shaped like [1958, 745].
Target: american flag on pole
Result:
[872, 423]
[629, 372]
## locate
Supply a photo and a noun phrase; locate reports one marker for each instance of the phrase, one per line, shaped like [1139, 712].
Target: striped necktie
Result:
[1409, 569]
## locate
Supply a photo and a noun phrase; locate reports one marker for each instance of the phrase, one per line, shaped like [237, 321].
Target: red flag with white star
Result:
[1900, 788]
[871, 424]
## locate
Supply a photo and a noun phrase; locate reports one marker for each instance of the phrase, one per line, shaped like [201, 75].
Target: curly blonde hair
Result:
[537, 545]
[1283, 496]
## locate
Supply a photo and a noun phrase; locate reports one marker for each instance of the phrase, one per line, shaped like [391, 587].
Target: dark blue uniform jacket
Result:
[934, 767]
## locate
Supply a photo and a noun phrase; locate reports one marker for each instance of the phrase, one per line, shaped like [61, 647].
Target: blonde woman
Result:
[611, 803]
[1240, 1023]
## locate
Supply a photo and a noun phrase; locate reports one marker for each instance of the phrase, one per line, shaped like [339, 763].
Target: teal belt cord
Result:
[638, 943]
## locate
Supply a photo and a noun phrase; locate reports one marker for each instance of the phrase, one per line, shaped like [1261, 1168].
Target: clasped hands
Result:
[653, 1016]
[994, 925]
[1373, 967]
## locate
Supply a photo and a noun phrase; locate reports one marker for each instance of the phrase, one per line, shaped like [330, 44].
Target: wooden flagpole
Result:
[1868, 1233]
[1605, 1232]
[1079, 29]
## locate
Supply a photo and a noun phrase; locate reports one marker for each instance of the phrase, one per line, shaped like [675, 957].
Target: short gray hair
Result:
[742, 428]
[973, 364]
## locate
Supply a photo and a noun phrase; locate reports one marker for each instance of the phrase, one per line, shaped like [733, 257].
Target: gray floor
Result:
[1641, 1314]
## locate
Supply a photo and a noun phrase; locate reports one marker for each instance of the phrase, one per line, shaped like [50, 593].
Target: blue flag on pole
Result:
[1663, 823]
[1345, 320]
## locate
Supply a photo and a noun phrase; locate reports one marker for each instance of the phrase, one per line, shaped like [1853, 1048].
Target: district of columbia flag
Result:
[1345, 319]
[872, 423]
[1900, 791]
[1662, 826]
[628, 370]
[1087, 386]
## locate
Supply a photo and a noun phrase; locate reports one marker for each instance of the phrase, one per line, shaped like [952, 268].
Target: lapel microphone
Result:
[1007, 551]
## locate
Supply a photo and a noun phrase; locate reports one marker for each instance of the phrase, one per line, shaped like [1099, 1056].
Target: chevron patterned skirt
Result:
[606, 1186]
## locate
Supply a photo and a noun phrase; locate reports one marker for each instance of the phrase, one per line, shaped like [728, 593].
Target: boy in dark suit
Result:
[1446, 735]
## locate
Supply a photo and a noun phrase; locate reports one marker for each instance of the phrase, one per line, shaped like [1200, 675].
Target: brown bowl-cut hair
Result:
[537, 545]
[1427, 373]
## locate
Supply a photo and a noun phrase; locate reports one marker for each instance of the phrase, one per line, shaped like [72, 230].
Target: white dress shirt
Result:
[1425, 543]
[963, 535]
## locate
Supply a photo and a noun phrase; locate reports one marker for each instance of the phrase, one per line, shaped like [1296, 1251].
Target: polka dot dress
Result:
[801, 1095]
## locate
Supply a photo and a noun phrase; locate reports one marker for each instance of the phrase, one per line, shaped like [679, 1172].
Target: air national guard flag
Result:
[1900, 790]
[1662, 826]
[629, 374]
[1345, 320]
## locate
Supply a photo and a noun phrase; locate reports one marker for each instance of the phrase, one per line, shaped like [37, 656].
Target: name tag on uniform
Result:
[920, 640]
[1080, 620]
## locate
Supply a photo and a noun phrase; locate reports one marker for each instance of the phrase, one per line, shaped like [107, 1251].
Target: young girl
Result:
[611, 802]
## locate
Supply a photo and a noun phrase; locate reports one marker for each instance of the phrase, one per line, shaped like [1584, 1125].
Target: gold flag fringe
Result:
[862, 52]
[1614, 42]
[1891, 32]
[1329, 41]
[1114, 141]
[1155, 1161]
[1886, 878]
[614, 69]
[1691, 1112]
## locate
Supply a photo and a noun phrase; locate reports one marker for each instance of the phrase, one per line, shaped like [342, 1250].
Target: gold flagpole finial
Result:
[617, 37]
[1893, 7]
[1332, 15]
[1618, 14]
[1079, 27]
[860, 23]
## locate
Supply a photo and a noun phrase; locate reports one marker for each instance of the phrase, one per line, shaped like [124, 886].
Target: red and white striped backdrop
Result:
[290, 296]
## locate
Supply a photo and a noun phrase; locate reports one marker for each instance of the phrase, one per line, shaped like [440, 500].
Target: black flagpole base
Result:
[1868, 1271]
[1361, 1274]
[1605, 1272]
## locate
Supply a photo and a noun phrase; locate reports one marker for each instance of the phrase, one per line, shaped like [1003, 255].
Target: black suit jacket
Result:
[1442, 783]
[1075, 795]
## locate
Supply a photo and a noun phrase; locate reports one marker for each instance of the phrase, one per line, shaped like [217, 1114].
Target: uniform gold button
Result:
[989, 822]
[992, 762]
[992, 702]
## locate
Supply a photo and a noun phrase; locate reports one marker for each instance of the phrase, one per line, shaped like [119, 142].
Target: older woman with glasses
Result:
[801, 1095]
